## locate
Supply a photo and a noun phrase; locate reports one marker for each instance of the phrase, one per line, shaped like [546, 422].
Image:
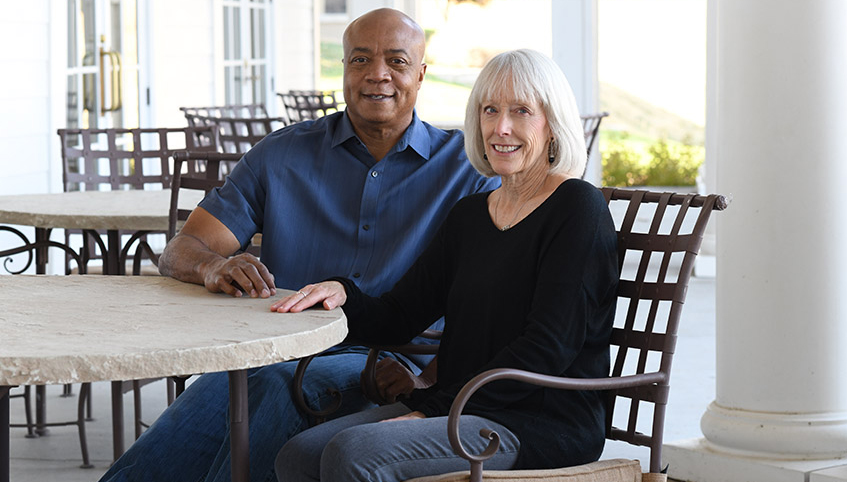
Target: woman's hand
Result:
[329, 293]
[408, 416]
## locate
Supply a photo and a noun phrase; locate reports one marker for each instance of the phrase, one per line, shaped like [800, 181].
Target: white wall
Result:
[295, 40]
[25, 124]
[183, 39]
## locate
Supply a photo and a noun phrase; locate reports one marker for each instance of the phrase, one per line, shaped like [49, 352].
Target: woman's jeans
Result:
[190, 440]
[359, 447]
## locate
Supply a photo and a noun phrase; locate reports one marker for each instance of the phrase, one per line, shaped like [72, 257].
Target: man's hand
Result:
[239, 274]
[392, 379]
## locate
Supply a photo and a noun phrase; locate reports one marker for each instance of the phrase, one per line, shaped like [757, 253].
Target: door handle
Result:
[114, 79]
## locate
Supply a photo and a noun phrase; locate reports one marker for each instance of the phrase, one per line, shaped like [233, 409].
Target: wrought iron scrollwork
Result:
[29, 248]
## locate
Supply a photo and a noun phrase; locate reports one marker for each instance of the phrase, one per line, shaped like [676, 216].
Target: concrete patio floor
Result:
[56, 457]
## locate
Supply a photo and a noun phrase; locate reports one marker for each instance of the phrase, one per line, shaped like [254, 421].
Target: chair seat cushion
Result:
[612, 470]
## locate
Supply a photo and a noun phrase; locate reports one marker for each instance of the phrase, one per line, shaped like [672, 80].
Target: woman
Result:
[525, 277]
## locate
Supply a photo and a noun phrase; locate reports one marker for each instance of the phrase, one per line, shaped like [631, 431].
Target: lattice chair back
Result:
[109, 159]
[659, 237]
[591, 127]
[303, 105]
[242, 111]
[197, 170]
[237, 134]
[112, 159]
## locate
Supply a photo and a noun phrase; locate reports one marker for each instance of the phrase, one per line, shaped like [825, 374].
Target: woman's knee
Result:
[298, 460]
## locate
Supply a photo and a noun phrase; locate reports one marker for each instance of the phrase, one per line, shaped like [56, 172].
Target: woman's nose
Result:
[504, 125]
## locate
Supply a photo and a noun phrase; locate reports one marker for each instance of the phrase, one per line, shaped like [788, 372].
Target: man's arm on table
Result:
[202, 254]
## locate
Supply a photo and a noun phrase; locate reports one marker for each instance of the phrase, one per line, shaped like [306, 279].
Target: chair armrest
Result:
[477, 382]
[369, 373]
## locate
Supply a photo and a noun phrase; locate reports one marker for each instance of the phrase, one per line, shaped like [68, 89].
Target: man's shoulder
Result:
[443, 135]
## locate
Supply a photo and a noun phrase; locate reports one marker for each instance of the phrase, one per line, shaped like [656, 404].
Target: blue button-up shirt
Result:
[326, 207]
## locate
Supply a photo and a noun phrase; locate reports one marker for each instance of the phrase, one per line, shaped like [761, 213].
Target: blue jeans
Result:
[359, 448]
[190, 440]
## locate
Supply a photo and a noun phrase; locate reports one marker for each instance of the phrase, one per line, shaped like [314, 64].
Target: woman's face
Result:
[515, 134]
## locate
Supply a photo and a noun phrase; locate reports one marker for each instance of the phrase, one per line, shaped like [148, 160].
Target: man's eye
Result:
[357, 60]
[399, 61]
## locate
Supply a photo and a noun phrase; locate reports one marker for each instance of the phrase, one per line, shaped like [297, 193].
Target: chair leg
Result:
[67, 390]
[30, 426]
[84, 394]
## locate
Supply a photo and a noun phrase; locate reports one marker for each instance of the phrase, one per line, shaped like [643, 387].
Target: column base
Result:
[694, 460]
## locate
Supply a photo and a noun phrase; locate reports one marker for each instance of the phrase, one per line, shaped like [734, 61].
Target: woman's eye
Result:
[489, 110]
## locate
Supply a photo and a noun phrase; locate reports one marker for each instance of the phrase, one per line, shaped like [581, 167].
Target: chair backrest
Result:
[96, 159]
[243, 111]
[591, 127]
[659, 237]
[199, 170]
[236, 134]
[303, 105]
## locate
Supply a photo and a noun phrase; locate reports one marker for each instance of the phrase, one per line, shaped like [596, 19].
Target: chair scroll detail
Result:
[656, 265]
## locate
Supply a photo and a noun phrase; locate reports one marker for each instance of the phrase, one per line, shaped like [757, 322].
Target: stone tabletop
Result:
[64, 329]
[140, 210]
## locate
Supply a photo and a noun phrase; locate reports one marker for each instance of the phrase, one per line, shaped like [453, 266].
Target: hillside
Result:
[639, 118]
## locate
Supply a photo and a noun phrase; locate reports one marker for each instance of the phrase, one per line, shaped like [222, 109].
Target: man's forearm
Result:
[186, 258]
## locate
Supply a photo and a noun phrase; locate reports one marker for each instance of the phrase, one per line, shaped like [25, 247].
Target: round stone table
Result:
[69, 329]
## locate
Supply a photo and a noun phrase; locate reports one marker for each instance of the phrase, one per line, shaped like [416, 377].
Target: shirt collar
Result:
[416, 136]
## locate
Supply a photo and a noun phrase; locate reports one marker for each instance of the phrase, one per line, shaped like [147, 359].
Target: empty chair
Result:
[240, 127]
[303, 105]
[112, 159]
[591, 127]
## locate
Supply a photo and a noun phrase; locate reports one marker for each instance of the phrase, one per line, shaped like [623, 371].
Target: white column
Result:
[575, 51]
[780, 411]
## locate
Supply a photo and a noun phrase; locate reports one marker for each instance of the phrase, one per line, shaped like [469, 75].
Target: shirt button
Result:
[366, 227]
[357, 275]
[374, 173]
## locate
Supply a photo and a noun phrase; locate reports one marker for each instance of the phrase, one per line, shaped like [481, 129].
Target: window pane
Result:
[335, 6]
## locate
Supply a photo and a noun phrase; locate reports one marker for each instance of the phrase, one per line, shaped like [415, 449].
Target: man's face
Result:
[383, 71]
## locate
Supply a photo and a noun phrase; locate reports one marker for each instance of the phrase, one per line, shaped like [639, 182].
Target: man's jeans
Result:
[190, 440]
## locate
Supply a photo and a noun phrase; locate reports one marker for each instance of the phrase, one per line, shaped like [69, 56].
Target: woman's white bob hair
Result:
[527, 76]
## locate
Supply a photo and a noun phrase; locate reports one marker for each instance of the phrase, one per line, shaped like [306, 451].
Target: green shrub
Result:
[673, 165]
[621, 164]
[663, 163]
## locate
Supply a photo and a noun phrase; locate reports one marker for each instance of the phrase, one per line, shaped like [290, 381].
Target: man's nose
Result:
[378, 71]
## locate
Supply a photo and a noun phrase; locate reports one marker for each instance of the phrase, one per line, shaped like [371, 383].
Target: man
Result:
[358, 194]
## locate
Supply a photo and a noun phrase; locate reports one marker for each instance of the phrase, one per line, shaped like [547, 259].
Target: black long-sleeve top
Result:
[539, 297]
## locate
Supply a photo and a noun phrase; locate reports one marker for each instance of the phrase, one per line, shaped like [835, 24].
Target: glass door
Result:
[247, 78]
[102, 64]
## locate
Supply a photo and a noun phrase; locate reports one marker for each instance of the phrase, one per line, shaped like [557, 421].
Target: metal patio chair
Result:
[656, 264]
[591, 127]
[240, 127]
[107, 159]
[303, 105]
